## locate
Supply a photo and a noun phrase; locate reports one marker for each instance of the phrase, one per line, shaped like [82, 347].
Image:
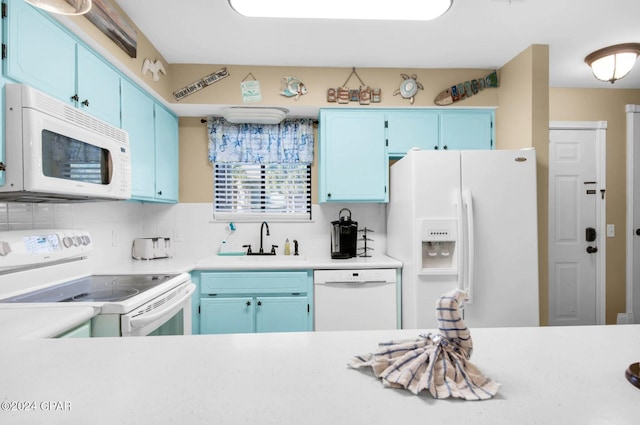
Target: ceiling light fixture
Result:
[254, 115]
[402, 10]
[613, 62]
[63, 7]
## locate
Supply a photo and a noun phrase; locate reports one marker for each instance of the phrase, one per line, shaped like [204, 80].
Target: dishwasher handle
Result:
[335, 282]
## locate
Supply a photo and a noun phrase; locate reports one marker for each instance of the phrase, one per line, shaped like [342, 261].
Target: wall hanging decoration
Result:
[292, 87]
[250, 89]
[467, 89]
[408, 87]
[155, 67]
[106, 17]
[364, 94]
[201, 83]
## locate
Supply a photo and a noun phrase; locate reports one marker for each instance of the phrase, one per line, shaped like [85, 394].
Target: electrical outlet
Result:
[611, 230]
[178, 235]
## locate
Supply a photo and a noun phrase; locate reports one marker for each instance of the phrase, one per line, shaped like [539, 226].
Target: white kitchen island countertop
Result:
[549, 375]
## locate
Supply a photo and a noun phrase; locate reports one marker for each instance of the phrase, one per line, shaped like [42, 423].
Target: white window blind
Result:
[261, 191]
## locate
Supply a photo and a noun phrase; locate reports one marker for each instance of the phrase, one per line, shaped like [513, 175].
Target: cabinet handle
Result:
[75, 98]
[160, 193]
[435, 147]
[85, 102]
[445, 147]
[248, 303]
[328, 195]
[259, 302]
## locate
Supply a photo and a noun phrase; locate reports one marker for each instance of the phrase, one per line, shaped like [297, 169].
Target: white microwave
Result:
[57, 153]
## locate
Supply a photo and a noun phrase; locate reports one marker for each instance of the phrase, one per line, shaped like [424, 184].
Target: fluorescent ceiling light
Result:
[63, 7]
[402, 10]
[254, 115]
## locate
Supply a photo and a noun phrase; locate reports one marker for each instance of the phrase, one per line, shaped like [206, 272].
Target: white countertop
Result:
[548, 375]
[41, 321]
[244, 262]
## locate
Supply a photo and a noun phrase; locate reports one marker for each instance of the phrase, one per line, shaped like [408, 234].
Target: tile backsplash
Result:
[114, 225]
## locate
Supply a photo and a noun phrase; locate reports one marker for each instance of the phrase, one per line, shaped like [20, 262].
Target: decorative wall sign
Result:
[364, 94]
[467, 89]
[155, 67]
[106, 17]
[409, 87]
[250, 89]
[292, 87]
[200, 84]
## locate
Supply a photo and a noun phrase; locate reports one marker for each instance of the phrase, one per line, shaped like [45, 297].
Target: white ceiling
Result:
[472, 34]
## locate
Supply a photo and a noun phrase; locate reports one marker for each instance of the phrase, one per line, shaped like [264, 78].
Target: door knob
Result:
[592, 249]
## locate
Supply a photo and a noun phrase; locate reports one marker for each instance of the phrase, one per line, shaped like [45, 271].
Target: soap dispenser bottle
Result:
[287, 247]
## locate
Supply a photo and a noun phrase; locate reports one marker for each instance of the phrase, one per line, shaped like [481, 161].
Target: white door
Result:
[576, 240]
[632, 315]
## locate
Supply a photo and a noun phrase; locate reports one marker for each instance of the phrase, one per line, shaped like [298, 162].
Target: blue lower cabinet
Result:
[248, 302]
[282, 314]
[227, 315]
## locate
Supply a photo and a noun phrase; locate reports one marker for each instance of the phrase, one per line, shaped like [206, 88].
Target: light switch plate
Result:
[611, 230]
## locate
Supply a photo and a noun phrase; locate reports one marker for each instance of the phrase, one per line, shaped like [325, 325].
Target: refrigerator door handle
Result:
[461, 240]
[468, 201]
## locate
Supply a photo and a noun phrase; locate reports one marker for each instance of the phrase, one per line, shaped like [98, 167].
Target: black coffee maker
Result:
[344, 236]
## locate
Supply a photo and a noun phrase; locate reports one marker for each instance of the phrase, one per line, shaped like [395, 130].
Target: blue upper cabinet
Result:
[38, 52]
[98, 87]
[353, 160]
[41, 54]
[412, 129]
[139, 122]
[467, 129]
[166, 159]
[153, 135]
[2, 84]
[433, 129]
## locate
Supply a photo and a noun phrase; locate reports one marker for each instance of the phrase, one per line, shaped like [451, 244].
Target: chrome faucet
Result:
[262, 226]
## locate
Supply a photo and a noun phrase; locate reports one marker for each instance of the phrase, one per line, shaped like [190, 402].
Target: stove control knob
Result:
[77, 241]
[5, 248]
[86, 240]
[67, 241]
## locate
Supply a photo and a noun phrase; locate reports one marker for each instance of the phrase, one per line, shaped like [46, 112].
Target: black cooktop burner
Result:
[93, 289]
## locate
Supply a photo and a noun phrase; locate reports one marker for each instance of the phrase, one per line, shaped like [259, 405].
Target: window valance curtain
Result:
[290, 142]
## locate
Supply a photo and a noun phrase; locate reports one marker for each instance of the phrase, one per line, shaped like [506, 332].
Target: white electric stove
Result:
[50, 268]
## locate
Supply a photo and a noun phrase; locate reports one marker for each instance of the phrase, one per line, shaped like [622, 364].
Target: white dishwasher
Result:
[363, 299]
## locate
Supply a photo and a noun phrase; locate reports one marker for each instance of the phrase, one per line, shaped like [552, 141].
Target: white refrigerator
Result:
[466, 219]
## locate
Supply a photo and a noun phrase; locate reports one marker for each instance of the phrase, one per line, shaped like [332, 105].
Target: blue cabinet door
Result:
[468, 129]
[166, 131]
[282, 314]
[227, 315]
[353, 156]
[39, 52]
[98, 87]
[138, 121]
[409, 129]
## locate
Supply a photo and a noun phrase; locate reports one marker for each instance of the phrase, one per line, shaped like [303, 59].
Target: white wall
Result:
[114, 225]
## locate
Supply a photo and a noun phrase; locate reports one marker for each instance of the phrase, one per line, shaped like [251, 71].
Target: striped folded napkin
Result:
[438, 363]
